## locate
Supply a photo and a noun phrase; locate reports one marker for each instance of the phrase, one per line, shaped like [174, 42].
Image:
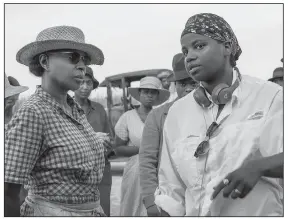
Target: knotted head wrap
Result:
[215, 27]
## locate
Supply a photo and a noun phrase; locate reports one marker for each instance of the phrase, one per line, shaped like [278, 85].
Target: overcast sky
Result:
[137, 37]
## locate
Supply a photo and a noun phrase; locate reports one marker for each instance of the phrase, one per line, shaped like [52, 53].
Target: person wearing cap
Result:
[149, 155]
[128, 131]
[49, 144]
[278, 76]
[12, 91]
[97, 118]
[222, 150]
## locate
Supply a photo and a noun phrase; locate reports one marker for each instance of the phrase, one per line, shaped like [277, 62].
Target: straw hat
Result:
[56, 38]
[13, 90]
[150, 83]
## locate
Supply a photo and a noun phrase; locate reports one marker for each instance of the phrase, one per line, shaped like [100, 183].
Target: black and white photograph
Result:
[143, 110]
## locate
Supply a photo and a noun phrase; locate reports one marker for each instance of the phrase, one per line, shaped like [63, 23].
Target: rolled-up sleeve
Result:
[148, 159]
[271, 138]
[170, 194]
[23, 140]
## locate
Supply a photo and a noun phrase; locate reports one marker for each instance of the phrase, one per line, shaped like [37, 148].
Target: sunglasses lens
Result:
[87, 60]
[202, 149]
[211, 129]
[75, 57]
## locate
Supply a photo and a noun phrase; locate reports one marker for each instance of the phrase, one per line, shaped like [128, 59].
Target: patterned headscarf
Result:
[215, 27]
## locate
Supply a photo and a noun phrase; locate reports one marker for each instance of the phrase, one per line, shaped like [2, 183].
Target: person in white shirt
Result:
[222, 152]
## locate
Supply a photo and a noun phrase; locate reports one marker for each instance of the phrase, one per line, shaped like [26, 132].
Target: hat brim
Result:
[272, 79]
[14, 90]
[95, 81]
[180, 76]
[28, 52]
[162, 97]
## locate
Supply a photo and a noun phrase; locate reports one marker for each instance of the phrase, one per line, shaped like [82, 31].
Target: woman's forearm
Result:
[126, 151]
[272, 166]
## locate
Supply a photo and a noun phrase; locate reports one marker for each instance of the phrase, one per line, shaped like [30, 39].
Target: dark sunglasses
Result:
[74, 57]
[203, 147]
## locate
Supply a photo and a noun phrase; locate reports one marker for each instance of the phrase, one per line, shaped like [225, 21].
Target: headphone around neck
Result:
[221, 94]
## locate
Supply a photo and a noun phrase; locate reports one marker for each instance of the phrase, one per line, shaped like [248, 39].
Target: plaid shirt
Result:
[56, 154]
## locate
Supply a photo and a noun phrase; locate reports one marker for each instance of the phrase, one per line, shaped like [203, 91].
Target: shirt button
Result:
[95, 169]
[81, 127]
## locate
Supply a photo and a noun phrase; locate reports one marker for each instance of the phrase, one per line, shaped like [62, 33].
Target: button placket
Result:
[80, 127]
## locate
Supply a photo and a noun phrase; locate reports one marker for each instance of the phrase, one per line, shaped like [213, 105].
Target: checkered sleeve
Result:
[23, 140]
[121, 128]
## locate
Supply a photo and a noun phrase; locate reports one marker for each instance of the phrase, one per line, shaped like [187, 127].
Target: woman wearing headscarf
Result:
[128, 132]
[49, 144]
[228, 162]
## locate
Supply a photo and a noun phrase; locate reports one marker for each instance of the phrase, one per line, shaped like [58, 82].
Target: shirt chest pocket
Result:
[242, 137]
[188, 167]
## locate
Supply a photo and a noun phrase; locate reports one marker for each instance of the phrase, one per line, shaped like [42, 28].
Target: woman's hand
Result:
[240, 182]
[108, 145]
[106, 140]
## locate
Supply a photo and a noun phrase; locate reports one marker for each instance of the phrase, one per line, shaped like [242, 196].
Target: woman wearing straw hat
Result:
[49, 145]
[128, 132]
[223, 155]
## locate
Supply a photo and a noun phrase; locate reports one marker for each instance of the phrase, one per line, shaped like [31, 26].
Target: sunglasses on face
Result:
[74, 57]
[203, 147]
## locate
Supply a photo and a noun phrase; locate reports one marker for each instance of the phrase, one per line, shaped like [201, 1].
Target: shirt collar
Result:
[235, 95]
[49, 99]
[89, 103]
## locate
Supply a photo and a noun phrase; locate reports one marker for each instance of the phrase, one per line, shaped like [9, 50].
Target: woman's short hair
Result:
[35, 67]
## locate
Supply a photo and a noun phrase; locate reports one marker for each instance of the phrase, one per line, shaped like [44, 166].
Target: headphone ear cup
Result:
[221, 94]
[201, 98]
